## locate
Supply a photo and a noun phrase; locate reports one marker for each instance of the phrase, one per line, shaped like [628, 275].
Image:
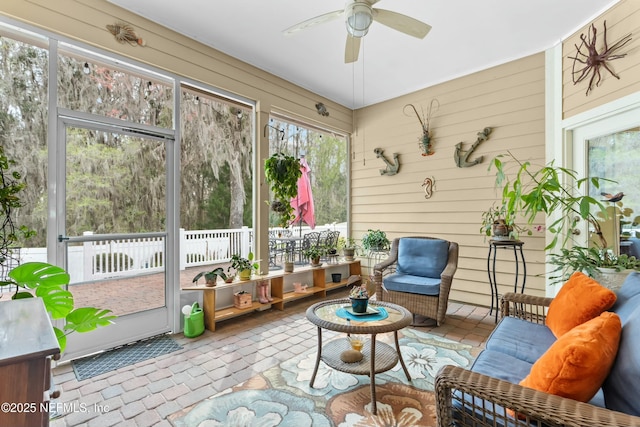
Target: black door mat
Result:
[123, 356]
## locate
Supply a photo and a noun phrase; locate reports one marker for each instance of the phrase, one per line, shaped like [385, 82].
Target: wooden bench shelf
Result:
[281, 290]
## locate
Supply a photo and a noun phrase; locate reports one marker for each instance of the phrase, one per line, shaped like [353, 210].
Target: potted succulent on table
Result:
[211, 277]
[375, 240]
[244, 266]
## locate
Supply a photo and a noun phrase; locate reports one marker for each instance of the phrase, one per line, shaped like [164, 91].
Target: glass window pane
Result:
[98, 88]
[615, 157]
[326, 155]
[23, 138]
[115, 183]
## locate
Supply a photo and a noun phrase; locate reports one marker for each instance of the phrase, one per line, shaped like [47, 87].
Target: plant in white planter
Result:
[552, 190]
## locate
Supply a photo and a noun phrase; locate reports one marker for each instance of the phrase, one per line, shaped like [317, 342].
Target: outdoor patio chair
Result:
[418, 275]
[309, 240]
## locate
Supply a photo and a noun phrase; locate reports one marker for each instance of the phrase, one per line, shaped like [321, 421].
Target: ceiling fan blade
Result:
[320, 19]
[352, 49]
[403, 23]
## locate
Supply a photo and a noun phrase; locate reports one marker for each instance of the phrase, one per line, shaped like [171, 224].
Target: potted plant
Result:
[211, 277]
[288, 262]
[375, 240]
[348, 246]
[499, 224]
[555, 191]
[314, 253]
[609, 269]
[244, 266]
[282, 172]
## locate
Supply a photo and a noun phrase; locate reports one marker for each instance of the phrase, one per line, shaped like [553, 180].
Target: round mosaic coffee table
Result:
[383, 317]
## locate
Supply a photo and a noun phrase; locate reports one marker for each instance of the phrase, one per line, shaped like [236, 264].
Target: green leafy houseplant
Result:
[244, 266]
[315, 252]
[375, 240]
[282, 172]
[211, 277]
[46, 281]
[556, 192]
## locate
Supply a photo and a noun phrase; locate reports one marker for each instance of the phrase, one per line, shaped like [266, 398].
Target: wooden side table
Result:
[518, 254]
[27, 345]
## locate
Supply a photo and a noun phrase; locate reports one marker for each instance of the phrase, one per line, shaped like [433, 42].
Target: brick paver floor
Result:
[146, 393]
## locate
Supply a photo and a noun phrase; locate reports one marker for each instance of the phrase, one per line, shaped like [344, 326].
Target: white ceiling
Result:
[467, 36]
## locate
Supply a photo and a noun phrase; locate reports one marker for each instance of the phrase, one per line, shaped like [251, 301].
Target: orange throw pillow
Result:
[580, 299]
[576, 365]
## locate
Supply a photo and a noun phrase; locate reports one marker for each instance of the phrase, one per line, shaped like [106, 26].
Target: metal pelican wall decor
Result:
[462, 157]
[425, 142]
[392, 168]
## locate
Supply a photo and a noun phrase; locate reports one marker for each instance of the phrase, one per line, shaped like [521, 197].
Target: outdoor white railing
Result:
[122, 257]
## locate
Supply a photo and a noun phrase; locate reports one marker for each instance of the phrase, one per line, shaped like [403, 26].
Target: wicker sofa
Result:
[417, 275]
[477, 396]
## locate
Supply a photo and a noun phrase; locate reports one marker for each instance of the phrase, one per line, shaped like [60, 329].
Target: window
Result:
[216, 162]
[326, 155]
[24, 62]
[615, 157]
[98, 87]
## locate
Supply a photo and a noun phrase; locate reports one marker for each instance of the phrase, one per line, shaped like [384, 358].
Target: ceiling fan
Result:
[358, 16]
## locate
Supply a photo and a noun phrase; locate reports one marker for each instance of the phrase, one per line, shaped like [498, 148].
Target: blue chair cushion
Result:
[422, 257]
[507, 339]
[400, 282]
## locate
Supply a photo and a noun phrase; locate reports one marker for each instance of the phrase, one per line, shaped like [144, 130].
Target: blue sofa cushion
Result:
[630, 290]
[502, 366]
[422, 257]
[622, 388]
[509, 338]
[399, 282]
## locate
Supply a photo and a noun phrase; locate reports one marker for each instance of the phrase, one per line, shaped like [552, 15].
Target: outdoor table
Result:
[377, 356]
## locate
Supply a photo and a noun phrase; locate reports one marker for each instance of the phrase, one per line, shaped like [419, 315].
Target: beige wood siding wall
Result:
[622, 19]
[508, 98]
[85, 20]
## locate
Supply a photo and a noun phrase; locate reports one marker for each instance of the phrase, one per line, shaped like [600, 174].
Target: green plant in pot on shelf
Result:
[348, 246]
[314, 253]
[558, 193]
[282, 172]
[244, 266]
[375, 240]
[211, 277]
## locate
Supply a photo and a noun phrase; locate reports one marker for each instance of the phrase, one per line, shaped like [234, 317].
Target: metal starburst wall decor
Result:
[589, 61]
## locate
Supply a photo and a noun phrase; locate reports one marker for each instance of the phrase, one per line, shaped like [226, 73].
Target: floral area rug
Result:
[281, 395]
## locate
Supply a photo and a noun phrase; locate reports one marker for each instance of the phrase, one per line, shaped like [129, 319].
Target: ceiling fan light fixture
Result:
[359, 19]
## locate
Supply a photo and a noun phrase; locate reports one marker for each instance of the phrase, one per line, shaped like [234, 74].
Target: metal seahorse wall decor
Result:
[392, 168]
[428, 186]
[461, 157]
